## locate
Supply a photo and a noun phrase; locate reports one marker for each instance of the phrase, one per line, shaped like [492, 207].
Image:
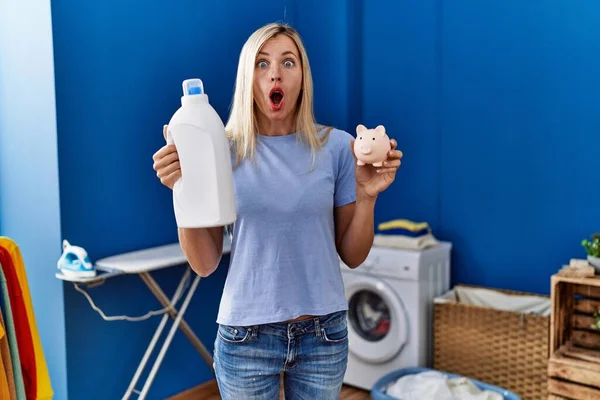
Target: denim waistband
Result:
[309, 325]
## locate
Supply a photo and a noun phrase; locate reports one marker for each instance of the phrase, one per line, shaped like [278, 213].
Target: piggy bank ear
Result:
[360, 128]
[380, 129]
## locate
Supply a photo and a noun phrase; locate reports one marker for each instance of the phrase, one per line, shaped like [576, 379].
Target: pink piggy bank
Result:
[371, 145]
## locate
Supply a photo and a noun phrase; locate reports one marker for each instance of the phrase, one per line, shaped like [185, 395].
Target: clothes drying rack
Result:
[142, 262]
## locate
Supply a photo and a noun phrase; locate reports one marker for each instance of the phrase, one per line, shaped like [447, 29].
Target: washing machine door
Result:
[377, 320]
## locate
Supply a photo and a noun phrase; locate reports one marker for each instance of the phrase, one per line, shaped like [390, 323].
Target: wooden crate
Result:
[574, 364]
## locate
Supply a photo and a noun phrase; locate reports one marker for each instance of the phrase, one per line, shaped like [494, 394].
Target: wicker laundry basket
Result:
[503, 348]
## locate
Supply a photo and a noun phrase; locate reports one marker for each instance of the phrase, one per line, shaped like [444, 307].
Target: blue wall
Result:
[399, 86]
[29, 197]
[494, 106]
[520, 122]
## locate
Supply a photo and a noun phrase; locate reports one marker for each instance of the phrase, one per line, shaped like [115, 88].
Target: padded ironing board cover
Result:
[145, 260]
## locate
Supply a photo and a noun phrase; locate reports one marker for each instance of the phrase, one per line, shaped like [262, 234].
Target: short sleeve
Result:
[345, 182]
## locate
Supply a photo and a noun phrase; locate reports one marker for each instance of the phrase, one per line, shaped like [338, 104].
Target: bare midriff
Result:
[300, 318]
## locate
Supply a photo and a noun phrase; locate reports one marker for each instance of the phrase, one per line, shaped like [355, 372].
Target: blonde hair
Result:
[242, 125]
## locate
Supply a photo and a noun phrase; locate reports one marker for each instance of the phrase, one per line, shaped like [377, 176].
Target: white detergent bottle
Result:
[204, 195]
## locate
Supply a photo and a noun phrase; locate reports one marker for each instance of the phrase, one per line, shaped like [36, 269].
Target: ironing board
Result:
[142, 262]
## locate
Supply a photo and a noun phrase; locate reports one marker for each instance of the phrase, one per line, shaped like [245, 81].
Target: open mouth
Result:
[276, 98]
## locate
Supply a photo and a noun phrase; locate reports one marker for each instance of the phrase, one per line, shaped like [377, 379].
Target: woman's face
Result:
[278, 78]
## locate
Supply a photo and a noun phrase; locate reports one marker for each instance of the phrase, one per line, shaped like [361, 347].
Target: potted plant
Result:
[593, 251]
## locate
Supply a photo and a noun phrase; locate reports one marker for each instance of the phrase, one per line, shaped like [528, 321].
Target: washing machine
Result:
[390, 298]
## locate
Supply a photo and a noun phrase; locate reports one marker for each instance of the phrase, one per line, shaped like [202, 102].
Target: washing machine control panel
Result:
[400, 263]
[393, 263]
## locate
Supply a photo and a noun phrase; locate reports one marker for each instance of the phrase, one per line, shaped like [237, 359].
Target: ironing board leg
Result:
[185, 328]
[169, 338]
[157, 333]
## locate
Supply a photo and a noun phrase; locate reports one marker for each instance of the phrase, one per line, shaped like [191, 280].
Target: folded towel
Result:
[405, 232]
[405, 242]
[403, 224]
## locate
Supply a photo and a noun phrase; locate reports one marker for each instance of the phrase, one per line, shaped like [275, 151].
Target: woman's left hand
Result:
[370, 180]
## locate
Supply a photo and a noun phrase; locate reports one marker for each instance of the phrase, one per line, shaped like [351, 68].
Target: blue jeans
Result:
[312, 354]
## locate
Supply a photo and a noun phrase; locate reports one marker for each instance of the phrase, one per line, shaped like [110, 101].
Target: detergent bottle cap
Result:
[192, 87]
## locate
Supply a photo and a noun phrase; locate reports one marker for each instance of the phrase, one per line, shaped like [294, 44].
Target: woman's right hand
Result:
[166, 163]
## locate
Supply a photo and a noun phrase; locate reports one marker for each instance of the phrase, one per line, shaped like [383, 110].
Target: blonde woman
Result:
[301, 203]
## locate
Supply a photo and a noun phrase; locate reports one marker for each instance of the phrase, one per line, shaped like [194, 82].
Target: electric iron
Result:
[74, 262]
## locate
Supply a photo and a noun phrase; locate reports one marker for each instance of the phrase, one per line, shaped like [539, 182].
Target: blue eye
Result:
[289, 63]
[262, 64]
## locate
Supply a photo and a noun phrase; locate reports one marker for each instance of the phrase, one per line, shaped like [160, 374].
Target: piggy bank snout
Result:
[365, 149]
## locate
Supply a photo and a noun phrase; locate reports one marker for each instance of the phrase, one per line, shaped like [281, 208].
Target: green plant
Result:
[592, 247]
